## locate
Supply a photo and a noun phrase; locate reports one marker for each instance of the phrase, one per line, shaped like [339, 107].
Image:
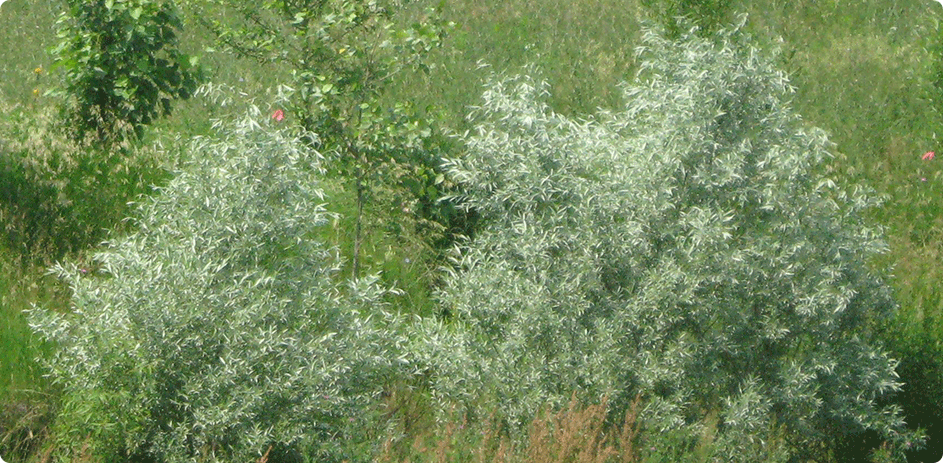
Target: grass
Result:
[578, 433]
[866, 72]
[25, 402]
[583, 48]
[26, 33]
[19, 372]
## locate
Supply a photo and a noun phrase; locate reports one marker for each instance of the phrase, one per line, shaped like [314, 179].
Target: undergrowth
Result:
[576, 433]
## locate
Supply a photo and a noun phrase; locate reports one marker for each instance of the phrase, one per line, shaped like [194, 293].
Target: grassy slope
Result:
[25, 31]
[863, 72]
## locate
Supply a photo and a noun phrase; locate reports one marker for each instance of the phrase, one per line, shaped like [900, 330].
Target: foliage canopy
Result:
[122, 65]
[217, 331]
[686, 247]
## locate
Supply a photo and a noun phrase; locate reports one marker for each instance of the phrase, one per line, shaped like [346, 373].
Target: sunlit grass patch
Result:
[25, 32]
[584, 49]
[23, 284]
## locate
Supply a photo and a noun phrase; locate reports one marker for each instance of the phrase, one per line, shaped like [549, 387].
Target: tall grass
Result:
[583, 48]
[19, 287]
[25, 402]
[25, 31]
[576, 433]
[391, 248]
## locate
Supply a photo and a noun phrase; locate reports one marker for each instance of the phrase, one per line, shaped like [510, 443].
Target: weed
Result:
[576, 433]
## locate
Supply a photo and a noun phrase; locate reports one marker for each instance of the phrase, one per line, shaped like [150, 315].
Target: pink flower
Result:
[928, 155]
[278, 115]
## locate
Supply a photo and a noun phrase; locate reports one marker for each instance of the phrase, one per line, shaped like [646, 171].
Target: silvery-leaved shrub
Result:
[686, 248]
[219, 331]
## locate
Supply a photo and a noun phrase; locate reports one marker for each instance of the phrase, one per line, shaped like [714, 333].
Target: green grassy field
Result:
[21, 56]
[869, 73]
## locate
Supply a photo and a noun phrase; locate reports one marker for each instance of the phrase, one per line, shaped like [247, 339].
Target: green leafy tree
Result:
[217, 332]
[122, 65]
[685, 248]
[676, 15]
[342, 55]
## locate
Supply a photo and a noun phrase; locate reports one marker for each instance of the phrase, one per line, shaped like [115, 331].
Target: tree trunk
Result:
[358, 226]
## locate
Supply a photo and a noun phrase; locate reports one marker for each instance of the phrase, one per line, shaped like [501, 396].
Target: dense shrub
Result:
[217, 331]
[685, 248]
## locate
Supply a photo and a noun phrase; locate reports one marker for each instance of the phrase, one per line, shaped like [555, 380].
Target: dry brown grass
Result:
[574, 434]
[577, 433]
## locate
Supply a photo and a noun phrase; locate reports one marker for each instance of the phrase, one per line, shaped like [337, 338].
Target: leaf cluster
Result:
[122, 65]
[685, 248]
[217, 331]
[677, 15]
[342, 55]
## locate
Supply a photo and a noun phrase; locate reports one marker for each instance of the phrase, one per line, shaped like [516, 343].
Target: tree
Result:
[677, 15]
[217, 332]
[686, 248]
[122, 65]
[342, 55]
